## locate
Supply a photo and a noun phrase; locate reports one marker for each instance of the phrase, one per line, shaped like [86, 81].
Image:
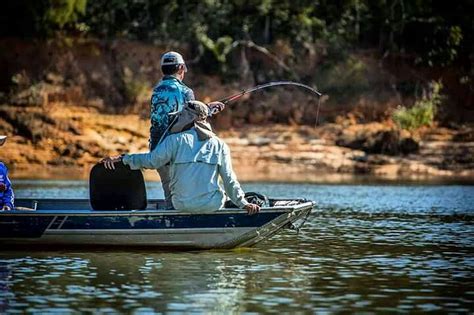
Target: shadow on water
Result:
[365, 248]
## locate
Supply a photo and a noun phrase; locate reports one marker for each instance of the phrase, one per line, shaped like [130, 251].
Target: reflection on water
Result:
[366, 248]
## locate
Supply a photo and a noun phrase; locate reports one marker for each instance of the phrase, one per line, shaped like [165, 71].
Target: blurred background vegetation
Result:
[368, 56]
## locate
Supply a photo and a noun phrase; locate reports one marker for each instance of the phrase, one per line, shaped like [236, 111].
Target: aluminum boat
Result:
[73, 222]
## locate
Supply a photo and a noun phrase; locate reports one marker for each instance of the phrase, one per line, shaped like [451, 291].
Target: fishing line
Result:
[317, 112]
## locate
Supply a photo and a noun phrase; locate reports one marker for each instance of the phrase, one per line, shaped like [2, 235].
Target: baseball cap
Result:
[2, 139]
[172, 58]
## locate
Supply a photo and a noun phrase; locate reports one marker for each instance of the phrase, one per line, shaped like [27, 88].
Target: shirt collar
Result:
[170, 77]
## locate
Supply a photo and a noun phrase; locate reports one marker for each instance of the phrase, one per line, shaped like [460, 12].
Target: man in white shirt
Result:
[197, 159]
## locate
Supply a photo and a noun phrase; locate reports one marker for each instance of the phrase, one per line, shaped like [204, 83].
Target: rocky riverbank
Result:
[372, 149]
[65, 141]
[65, 106]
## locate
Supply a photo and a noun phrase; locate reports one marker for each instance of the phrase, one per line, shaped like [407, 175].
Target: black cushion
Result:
[119, 189]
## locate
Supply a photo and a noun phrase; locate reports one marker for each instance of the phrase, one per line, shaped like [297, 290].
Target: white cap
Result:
[172, 58]
[2, 139]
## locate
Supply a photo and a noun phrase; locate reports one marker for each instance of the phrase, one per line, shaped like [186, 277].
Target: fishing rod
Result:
[234, 97]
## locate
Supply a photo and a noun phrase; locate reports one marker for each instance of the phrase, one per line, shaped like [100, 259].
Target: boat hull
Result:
[227, 228]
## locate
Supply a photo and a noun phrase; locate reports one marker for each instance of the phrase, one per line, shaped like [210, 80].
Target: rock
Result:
[408, 146]
[384, 142]
[387, 142]
[260, 141]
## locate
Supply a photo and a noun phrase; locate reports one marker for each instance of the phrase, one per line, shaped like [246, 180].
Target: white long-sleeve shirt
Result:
[195, 168]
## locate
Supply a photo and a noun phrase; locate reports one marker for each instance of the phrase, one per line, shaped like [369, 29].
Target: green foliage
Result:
[438, 33]
[42, 18]
[62, 12]
[220, 48]
[314, 41]
[422, 113]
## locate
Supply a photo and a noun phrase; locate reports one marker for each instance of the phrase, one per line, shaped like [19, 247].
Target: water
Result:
[369, 248]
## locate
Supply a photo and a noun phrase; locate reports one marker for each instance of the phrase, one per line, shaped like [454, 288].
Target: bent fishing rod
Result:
[234, 97]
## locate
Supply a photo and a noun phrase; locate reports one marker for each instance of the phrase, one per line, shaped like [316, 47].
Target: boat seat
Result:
[119, 189]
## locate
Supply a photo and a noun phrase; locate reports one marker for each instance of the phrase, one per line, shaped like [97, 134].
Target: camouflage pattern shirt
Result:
[169, 95]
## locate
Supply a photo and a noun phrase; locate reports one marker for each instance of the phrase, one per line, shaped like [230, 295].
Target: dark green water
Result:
[369, 248]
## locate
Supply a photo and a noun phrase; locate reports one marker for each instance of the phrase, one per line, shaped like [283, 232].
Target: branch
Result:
[264, 51]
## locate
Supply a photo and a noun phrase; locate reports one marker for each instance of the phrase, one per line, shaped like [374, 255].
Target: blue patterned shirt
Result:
[169, 95]
[6, 197]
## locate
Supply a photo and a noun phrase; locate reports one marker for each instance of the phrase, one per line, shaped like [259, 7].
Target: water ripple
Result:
[365, 249]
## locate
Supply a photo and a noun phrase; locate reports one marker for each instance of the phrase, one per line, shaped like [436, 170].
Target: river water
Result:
[366, 248]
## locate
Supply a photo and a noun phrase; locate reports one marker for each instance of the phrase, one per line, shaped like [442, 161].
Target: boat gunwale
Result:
[153, 212]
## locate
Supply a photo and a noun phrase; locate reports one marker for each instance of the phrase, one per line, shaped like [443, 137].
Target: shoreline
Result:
[247, 175]
[77, 137]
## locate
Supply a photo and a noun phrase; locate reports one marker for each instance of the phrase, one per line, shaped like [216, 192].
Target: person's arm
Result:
[155, 159]
[155, 102]
[189, 95]
[232, 185]
[8, 195]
